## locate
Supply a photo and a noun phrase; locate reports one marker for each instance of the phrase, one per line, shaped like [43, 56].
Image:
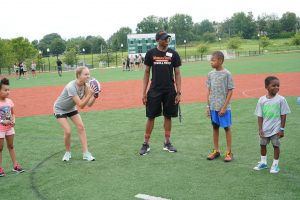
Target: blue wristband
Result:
[282, 129]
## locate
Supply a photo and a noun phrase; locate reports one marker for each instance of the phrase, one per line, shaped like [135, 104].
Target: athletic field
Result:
[115, 129]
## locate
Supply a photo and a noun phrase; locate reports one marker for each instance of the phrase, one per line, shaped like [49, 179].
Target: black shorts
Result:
[70, 114]
[159, 102]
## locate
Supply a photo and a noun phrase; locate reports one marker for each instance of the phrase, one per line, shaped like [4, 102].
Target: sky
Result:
[34, 19]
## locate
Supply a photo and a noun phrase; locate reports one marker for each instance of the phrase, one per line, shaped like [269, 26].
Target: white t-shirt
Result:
[271, 110]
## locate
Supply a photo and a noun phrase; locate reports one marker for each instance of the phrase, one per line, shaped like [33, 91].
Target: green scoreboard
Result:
[141, 43]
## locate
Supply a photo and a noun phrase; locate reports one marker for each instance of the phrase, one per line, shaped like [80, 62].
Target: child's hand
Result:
[208, 112]
[12, 123]
[144, 99]
[5, 122]
[280, 134]
[91, 92]
[222, 112]
[261, 133]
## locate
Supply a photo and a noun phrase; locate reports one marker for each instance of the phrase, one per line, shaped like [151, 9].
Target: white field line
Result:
[148, 197]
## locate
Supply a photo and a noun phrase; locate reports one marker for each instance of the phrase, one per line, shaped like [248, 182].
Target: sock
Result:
[263, 159]
[167, 137]
[275, 162]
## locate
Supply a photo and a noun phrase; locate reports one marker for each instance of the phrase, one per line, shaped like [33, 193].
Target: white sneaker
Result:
[274, 169]
[67, 156]
[88, 156]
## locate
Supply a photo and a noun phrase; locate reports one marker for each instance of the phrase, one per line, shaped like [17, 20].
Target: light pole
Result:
[39, 60]
[83, 50]
[116, 57]
[122, 49]
[220, 42]
[48, 52]
[184, 49]
[258, 35]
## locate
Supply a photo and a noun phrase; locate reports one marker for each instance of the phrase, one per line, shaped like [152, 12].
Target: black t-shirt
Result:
[58, 63]
[162, 65]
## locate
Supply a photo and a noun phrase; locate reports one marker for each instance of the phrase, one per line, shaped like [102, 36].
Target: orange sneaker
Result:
[213, 155]
[228, 157]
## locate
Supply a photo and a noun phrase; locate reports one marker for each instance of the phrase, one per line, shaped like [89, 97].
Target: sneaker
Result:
[260, 166]
[145, 149]
[228, 157]
[67, 156]
[169, 147]
[213, 155]
[274, 169]
[2, 172]
[18, 169]
[88, 156]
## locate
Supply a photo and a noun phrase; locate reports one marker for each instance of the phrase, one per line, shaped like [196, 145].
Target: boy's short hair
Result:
[269, 79]
[219, 55]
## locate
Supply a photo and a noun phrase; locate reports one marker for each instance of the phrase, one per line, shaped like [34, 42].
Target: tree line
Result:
[241, 25]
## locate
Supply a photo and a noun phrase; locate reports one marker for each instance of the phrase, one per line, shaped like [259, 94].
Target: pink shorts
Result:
[10, 131]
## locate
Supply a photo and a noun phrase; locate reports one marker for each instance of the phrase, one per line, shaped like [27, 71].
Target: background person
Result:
[33, 69]
[59, 67]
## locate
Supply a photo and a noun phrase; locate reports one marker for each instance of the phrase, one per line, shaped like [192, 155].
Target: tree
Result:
[71, 57]
[209, 37]
[202, 49]
[57, 47]
[243, 25]
[264, 41]
[234, 43]
[261, 24]
[86, 45]
[273, 26]
[152, 24]
[46, 42]
[296, 39]
[182, 26]
[23, 49]
[98, 43]
[288, 22]
[205, 26]
[74, 43]
[118, 38]
[35, 43]
[7, 56]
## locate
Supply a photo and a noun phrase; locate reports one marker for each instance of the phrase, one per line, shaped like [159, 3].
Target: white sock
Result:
[275, 162]
[263, 159]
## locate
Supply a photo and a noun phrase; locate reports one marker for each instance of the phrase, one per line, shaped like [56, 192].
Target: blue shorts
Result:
[223, 121]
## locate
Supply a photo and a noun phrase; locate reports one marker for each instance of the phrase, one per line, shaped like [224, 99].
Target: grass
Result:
[115, 137]
[242, 65]
[120, 173]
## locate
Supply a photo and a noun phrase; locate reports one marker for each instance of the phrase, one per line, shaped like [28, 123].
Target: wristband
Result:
[282, 129]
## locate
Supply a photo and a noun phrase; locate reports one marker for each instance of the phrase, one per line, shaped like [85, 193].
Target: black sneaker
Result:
[145, 149]
[169, 147]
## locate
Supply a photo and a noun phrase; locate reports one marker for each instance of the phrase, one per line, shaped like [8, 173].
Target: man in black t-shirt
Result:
[59, 67]
[162, 96]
